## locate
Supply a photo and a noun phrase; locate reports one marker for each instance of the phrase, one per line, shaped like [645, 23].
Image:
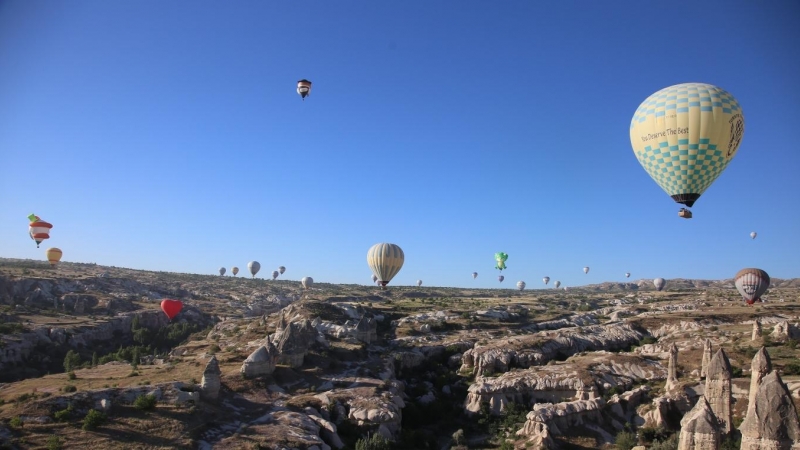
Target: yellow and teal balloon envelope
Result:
[685, 136]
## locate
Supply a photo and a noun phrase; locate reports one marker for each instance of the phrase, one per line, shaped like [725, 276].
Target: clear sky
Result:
[169, 136]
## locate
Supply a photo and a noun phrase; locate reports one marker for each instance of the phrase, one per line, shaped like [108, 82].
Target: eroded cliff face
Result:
[537, 349]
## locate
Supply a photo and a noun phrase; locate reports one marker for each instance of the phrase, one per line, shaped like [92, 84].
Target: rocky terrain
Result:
[87, 358]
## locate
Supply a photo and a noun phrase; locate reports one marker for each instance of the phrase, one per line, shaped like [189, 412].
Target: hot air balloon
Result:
[627, 274]
[419, 282]
[751, 283]
[753, 235]
[565, 289]
[474, 275]
[585, 270]
[521, 285]
[281, 269]
[221, 271]
[275, 274]
[558, 283]
[385, 260]
[38, 229]
[685, 136]
[374, 278]
[501, 278]
[659, 283]
[253, 267]
[304, 88]
[53, 255]
[501, 258]
[171, 307]
[307, 282]
[234, 270]
[546, 280]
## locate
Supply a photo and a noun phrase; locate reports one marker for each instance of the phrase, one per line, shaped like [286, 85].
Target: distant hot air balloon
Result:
[304, 88]
[751, 283]
[521, 285]
[171, 307]
[659, 283]
[53, 255]
[275, 274]
[558, 283]
[419, 282]
[253, 267]
[501, 278]
[385, 260]
[234, 270]
[585, 270]
[221, 271]
[281, 269]
[501, 258]
[753, 235]
[307, 282]
[627, 274]
[374, 278]
[546, 280]
[38, 229]
[474, 275]
[565, 288]
[685, 136]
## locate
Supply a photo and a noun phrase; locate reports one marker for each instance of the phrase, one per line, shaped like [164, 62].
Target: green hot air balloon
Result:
[501, 258]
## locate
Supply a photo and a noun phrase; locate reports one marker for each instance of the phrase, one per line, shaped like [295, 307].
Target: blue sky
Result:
[169, 136]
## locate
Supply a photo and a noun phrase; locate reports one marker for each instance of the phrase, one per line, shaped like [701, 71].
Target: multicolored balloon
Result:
[659, 284]
[253, 267]
[234, 270]
[171, 307]
[38, 229]
[501, 258]
[685, 136]
[752, 284]
[304, 88]
[53, 256]
[385, 260]
[521, 285]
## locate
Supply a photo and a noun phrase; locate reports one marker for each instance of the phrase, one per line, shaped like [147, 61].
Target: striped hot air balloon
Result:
[751, 283]
[54, 256]
[38, 229]
[385, 260]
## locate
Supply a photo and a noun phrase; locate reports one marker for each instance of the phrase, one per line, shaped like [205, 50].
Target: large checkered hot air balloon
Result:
[385, 260]
[685, 136]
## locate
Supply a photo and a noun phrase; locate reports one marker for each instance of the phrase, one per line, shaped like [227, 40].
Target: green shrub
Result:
[93, 420]
[145, 402]
[792, 368]
[71, 361]
[64, 414]
[625, 440]
[376, 442]
[54, 442]
[15, 422]
[71, 375]
[69, 388]
[648, 340]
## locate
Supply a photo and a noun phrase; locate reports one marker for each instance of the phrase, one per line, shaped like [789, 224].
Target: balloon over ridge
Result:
[275, 274]
[221, 271]
[385, 260]
[307, 282]
[234, 270]
[659, 284]
[751, 284]
[53, 256]
[684, 136]
[253, 267]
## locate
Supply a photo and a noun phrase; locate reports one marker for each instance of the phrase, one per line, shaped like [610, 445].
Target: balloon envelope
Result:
[171, 307]
[307, 282]
[253, 267]
[275, 274]
[374, 278]
[38, 229]
[385, 260]
[520, 285]
[585, 270]
[222, 271]
[474, 275]
[659, 283]
[234, 270]
[751, 283]
[558, 283]
[753, 235]
[419, 282]
[281, 269]
[501, 278]
[685, 135]
[546, 280]
[627, 274]
[53, 255]
[501, 258]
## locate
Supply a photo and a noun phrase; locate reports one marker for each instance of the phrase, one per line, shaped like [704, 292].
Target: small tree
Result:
[135, 358]
[376, 442]
[72, 360]
[94, 359]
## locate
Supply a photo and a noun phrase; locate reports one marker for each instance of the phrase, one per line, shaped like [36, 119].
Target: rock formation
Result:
[756, 330]
[293, 342]
[706, 359]
[783, 331]
[699, 428]
[760, 367]
[261, 362]
[772, 422]
[548, 419]
[367, 330]
[672, 370]
[718, 391]
[209, 386]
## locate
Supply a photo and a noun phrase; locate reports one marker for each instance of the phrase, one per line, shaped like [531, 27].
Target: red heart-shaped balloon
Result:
[171, 307]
